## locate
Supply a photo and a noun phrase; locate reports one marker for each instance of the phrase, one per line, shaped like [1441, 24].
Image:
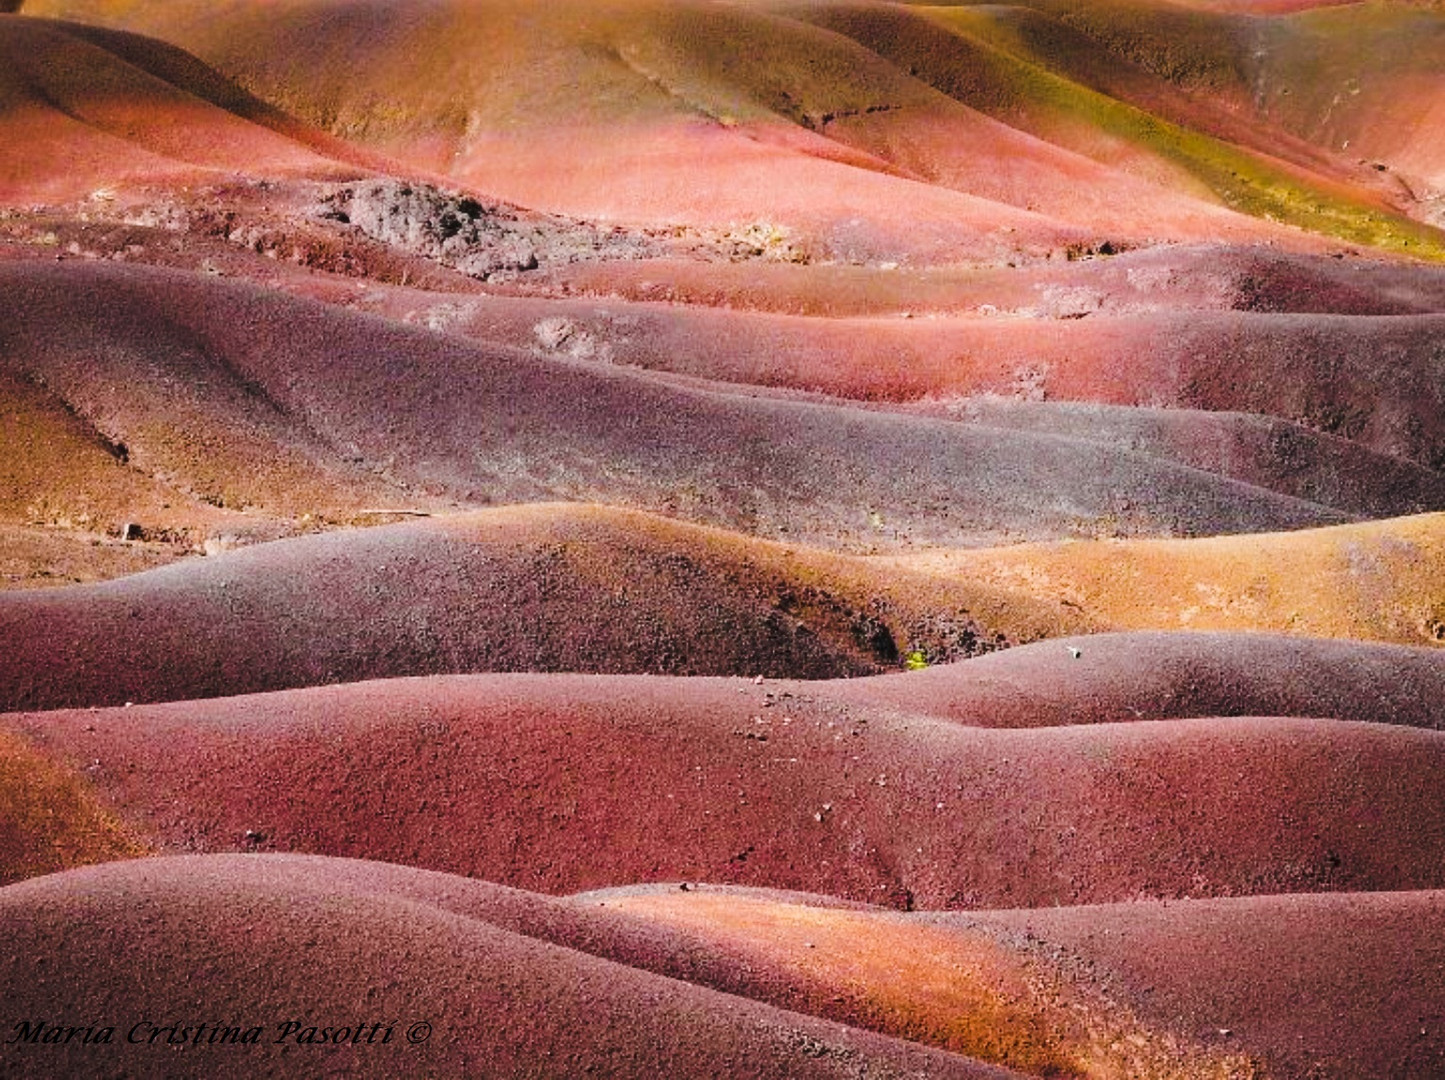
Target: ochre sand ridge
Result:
[1375, 581]
[49, 818]
[577, 588]
[1202, 988]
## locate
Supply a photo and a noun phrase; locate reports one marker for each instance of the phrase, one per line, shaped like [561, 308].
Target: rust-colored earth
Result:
[661, 537]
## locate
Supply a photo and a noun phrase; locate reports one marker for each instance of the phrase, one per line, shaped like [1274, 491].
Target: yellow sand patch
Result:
[49, 818]
[1378, 581]
[956, 989]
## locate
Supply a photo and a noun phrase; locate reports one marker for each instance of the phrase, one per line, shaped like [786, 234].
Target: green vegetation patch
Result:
[1241, 180]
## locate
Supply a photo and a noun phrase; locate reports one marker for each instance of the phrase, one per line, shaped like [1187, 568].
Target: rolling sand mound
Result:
[125, 355]
[117, 109]
[805, 123]
[558, 783]
[709, 369]
[1133, 282]
[1273, 454]
[508, 99]
[1325, 375]
[571, 588]
[59, 470]
[74, 509]
[1024, 67]
[255, 399]
[230, 943]
[546, 588]
[1372, 381]
[1356, 392]
[1357, 81]
[1205, 988]
[1381, 580]
[504, 978]
[1156, 280]
[1160, 676]
[1345, 348]
[1314, 985]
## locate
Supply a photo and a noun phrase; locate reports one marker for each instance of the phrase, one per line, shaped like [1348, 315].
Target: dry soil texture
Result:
[777, 538]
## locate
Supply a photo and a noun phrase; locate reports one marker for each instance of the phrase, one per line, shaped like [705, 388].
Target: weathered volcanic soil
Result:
[566, 782]
[334, 944]
[672, 538]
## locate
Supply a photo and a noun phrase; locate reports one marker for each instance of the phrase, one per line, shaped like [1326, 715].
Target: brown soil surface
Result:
[1196, 988]
[1335, 986]
[37, 558]
[50, 819]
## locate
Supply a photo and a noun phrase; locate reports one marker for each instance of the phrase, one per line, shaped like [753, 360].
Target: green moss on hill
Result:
[1241, 180]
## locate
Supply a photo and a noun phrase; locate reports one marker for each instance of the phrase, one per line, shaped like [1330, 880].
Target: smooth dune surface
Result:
[322, 946]
[540, 588]
[118, 109]
[564, 782]
[568, 588]
[1380, 580]
[771, 538]
[286, 405]
[788, 90]
[1090, 991]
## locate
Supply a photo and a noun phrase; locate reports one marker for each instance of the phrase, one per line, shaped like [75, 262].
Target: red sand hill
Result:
[712, 364]
[119, 109]
[509, 979]
[557, 783]
[807, 118]
[542, 588]
[576, 588]
[339, 948]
